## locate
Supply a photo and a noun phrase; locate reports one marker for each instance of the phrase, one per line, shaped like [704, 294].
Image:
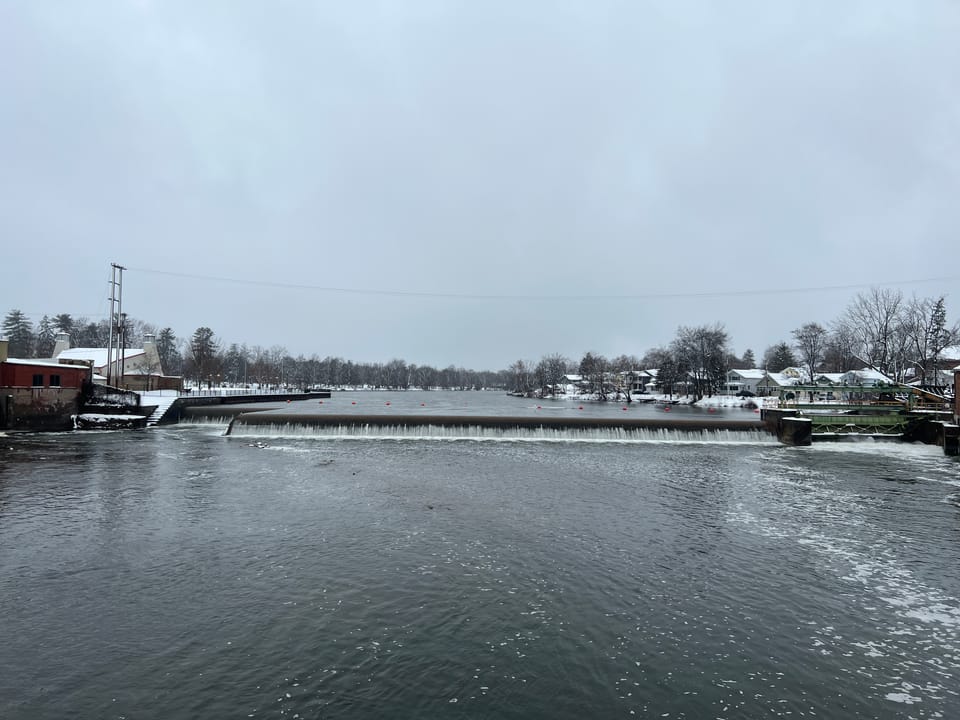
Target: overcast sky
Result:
[471, 183]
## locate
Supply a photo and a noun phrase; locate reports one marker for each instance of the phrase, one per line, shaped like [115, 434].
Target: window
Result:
[54, 381]
[38, 380]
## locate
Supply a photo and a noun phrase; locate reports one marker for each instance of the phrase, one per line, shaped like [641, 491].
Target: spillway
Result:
[493, 427]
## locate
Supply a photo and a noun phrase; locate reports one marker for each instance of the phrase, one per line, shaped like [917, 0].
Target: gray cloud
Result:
[518, 149]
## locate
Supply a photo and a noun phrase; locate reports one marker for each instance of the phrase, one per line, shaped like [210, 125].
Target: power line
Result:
[474, 296]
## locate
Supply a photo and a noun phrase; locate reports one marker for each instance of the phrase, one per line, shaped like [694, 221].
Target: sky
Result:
[472, 183]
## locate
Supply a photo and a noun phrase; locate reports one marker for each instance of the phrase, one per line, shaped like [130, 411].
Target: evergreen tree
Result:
[46, 337]
[167, 350]
[63, 323]
[19, 332]
[778, 357]
[749, 361]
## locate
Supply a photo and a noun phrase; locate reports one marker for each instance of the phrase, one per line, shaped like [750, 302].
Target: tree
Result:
[702, 351]
[928, 335]
[593, 370]
[838, 352]
[203, 350]
[19, 333]
[748, 360]
[63, 323]
[89, 334]
[811, 341]
[778, 357]
[169, 351]
[521, 377]
[871, 322]
[46, 338]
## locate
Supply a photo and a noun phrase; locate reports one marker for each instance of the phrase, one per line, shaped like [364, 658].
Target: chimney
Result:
[62, 343]
[151, 354]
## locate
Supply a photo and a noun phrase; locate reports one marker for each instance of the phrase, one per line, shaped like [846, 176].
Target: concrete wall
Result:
[39, 408]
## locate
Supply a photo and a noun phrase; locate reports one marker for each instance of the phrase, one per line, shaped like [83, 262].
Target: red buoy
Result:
[666, 408]
[388, 402]
[581, 407]
[538, 407]
[624, 407]
[423, 404]
[354, 402]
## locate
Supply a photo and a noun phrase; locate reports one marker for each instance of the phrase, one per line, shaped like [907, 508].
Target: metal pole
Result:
[113, 284]
[121, 332]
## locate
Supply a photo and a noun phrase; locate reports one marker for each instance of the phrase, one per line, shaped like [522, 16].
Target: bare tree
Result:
[871, 322]
[703, 352]
[811, 341]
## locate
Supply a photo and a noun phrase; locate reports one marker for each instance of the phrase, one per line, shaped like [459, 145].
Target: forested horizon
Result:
[901, 337]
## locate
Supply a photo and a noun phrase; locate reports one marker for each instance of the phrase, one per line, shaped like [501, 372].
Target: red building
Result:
[39, 394]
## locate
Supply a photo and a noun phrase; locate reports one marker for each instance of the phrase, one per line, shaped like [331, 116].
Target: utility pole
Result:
[116, 305]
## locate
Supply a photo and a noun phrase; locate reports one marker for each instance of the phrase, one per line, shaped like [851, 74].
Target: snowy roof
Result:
[42, 362]
[98, 355]
[782, 379]
[749, 373]
[832, 377]
[868, 374]
[951, 353]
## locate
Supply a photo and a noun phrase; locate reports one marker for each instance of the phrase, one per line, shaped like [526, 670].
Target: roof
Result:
[749, 373]
[42, 363]
[868, 374]
[98, 355]
[781, 379]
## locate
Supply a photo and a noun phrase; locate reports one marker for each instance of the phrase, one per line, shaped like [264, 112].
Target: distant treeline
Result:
[904, 338]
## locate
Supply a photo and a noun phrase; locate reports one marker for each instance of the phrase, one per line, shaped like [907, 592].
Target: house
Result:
[635, 382]
[741, 380]
[133, 369]
[774, 383]
[865, 377]
[39, 394]
[828, 379]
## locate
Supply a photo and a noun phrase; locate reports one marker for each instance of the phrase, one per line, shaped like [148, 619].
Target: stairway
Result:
[162, 401]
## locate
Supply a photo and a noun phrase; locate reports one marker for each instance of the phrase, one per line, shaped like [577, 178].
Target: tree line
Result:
[901, 337]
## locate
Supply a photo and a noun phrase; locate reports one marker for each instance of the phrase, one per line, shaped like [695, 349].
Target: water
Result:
[177, 573]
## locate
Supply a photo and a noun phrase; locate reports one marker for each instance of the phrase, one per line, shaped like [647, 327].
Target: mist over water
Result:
[178, 572]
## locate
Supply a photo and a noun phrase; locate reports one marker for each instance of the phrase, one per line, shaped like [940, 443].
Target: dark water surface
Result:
[178, 573]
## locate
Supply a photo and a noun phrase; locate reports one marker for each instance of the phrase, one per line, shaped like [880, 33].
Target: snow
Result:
[98, 355]
[43, 363]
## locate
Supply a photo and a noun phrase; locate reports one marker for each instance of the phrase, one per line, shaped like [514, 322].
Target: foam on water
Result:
[926, 634]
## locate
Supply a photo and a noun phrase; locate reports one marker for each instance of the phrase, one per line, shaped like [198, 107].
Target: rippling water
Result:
[178, 573]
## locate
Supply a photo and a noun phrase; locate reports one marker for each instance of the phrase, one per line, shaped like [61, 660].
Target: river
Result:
[180, 573]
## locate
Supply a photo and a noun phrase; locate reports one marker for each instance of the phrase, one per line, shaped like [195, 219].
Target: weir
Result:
[499, 427]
